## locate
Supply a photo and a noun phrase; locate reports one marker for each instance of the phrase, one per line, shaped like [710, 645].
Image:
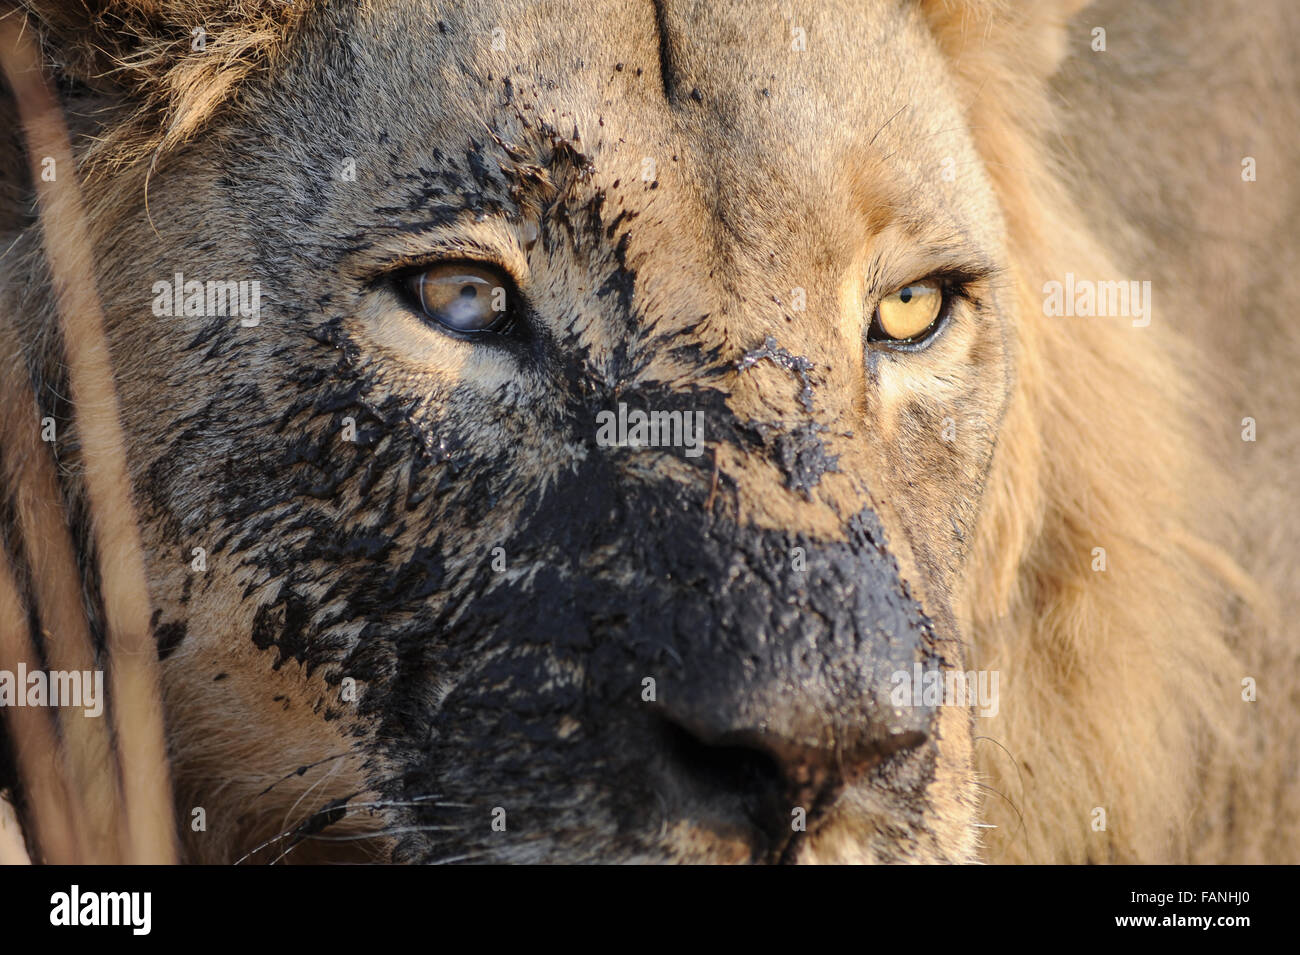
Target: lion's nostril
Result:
[780, 783]
[728, 767]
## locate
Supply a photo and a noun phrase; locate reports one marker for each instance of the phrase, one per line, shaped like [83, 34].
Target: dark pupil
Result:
[905, 296]
[468, 291]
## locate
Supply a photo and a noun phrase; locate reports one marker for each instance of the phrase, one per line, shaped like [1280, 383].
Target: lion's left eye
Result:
[909, 315]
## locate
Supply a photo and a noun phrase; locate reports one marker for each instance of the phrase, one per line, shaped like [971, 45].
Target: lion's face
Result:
[615, 653]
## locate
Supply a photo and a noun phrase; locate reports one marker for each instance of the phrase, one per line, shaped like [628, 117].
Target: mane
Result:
[179, 61]
[1118, 684]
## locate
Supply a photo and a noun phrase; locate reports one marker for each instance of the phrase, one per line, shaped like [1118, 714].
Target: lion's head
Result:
[566, 431]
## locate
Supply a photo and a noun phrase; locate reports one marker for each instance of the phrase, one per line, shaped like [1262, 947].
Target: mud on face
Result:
[437, 609]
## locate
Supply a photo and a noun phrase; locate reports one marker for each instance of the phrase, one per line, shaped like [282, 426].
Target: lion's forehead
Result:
[765, 120]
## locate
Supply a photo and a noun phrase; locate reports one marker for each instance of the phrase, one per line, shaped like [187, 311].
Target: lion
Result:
[653, 430]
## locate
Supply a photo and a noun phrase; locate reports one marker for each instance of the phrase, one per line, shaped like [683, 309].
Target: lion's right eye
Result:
[462, 297]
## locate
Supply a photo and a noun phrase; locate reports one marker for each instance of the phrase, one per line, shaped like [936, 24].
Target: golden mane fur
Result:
[1128, 682]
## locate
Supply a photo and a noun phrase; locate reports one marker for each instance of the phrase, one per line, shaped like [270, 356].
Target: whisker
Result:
[1021, 777]
[1019, 817]
[460, 858]
[306, 792]
[382, 833]
[301, 770]
[880, 129]
[347, 807]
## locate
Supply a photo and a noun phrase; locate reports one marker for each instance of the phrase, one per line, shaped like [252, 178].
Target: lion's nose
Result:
[787, 785]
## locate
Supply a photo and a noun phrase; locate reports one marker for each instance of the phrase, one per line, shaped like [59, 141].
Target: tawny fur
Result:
[1128, 682]
[1121, 689]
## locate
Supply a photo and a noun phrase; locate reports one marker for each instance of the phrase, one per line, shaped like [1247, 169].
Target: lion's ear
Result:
[1032, 36]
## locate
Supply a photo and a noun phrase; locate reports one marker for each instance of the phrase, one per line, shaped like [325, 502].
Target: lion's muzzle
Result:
[643, 666]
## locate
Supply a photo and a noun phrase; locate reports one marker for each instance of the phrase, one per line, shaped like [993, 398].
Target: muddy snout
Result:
[717, 664]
